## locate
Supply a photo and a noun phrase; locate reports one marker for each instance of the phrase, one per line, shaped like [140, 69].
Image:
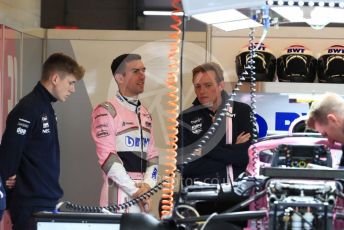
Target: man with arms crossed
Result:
[224, 156]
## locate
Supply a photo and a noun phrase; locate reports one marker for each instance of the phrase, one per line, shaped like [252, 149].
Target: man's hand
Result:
[145, 205]
[11, 182]
[139, 192]
[242, 138]
[145, 186]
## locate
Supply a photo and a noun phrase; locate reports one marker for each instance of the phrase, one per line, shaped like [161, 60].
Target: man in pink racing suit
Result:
[123, 133]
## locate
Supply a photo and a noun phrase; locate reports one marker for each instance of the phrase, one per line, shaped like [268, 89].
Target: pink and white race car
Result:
[297, 182]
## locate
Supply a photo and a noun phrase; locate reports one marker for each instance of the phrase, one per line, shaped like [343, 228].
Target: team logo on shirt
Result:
[45, 124]
[23, 125]
[135, 141]
[196, 126]
[154, 173]
[21, 131]
[120, 98]
[102, 133]
[124, 123]
[102, 130]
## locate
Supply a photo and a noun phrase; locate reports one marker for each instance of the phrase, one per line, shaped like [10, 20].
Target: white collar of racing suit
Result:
[132, 104]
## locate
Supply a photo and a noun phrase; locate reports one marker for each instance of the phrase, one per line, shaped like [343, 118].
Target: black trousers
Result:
[22, 216]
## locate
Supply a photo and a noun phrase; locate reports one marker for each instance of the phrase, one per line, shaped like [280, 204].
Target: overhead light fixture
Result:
[316, 17]
[304, 3]
[227, 20]
[237, 25]
[220, 16]
[161, 13]
[192, 7]
[291, 13]
[222, 13]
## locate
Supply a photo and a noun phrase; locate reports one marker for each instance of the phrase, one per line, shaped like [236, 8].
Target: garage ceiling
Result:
[109, 14]
[115, 15]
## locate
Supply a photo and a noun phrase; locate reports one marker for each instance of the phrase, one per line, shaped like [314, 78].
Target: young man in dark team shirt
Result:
[30, 152]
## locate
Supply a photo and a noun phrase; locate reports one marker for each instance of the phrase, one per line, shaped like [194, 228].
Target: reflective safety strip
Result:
[112, 193]
[229, 137]
[117, 196]
[110, 161]
[229, 127]
[110, 108]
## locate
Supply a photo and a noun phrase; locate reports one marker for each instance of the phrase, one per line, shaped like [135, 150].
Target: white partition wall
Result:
[16, 74]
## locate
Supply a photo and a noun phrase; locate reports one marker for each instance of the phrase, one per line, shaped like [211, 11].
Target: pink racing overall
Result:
[123, 133]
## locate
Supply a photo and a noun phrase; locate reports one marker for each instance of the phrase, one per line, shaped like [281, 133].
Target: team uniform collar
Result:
[45, 93]
[131, 103]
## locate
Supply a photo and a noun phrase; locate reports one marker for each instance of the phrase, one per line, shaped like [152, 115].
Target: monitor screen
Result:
[76, 226]
[77, 221]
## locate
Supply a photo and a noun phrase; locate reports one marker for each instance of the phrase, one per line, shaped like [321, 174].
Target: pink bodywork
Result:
[273, 142]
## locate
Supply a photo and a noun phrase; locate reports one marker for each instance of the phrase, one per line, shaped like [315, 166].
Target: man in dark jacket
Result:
[224, 155]
[30, 151]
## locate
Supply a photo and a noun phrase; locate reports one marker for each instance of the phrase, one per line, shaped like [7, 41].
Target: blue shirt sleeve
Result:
[18, 130]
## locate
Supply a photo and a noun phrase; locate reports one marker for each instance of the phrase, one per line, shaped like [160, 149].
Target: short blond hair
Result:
[62, 63]
[329, 103]
[209, 66]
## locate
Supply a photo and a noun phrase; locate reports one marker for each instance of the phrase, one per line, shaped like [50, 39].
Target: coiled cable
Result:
[113, 208]
[172, 84]
[250, 71]
[252, 74]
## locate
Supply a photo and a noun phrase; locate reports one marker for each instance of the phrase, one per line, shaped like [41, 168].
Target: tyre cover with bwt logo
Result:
[296, 64]
[264, 63]
[331, 65]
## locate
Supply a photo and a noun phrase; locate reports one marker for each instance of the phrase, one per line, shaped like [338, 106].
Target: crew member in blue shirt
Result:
[30, 152]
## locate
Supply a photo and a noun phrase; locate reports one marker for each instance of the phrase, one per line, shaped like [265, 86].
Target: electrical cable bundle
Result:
[69, 206]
